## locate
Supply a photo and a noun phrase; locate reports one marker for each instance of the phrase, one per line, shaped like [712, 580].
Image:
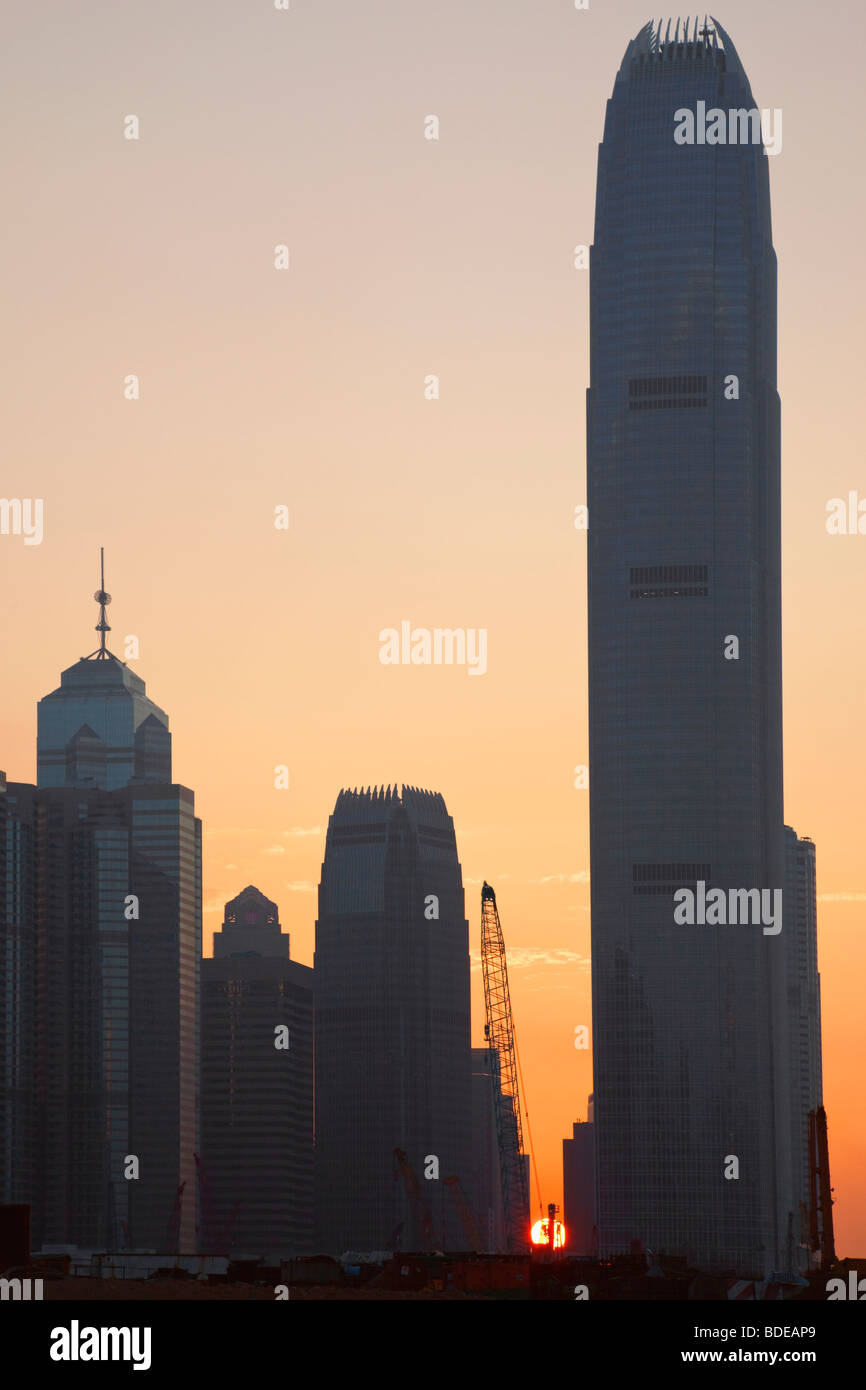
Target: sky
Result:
[304, 388]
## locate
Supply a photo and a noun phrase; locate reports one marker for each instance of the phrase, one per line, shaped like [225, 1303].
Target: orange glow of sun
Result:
[540, 1234]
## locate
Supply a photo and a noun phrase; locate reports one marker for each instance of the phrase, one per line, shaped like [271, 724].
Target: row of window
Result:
[643, 873]
[670, 591]
[669, 403]
[667, 386]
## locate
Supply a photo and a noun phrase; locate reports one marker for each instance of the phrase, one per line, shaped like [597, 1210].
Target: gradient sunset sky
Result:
[305, 388]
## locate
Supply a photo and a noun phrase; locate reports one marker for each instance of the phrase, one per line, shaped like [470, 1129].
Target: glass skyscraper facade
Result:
[690, 1023]
[17, 990]
[257, 1097]
[100, 728]
[393, 1058]
[101, 920]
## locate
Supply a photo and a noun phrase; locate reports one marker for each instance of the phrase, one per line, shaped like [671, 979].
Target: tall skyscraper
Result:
[256, 1087]
[393, 1060]
[578, 1186]
[17, 990]
[804, 1003]
[116, 874]
[488, 1207]
[690, 1022]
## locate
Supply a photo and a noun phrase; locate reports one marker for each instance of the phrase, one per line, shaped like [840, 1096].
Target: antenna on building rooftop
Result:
[103, 626]
[103, 599]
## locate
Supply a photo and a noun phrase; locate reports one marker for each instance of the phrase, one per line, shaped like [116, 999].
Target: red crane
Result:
[470, 1229]
[419, 1206]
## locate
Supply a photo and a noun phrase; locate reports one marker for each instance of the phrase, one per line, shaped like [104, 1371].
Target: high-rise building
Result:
[116, 899]
[803, 986]
[17, 990]
[256, 1087]
[488, 1208]
[578, 1186]
[393, 1061]
[691, 1058]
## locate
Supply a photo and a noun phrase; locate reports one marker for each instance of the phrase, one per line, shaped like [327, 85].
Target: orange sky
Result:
[306, 387]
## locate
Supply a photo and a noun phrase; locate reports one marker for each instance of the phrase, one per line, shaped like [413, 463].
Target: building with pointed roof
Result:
[113, 855]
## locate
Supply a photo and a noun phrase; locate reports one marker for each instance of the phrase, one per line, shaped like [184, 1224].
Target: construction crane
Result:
[470, 1230]
[419, 1206]
[499, 1032]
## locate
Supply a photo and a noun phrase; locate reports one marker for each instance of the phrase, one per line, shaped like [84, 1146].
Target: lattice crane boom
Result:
[499, 1032]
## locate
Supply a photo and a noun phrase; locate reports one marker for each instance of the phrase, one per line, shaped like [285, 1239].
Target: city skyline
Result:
[181, 485]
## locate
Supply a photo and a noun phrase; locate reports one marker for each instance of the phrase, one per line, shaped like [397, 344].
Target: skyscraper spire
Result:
[103, 599]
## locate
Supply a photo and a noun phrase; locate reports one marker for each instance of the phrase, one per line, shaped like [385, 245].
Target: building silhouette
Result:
[18, 1151]
[257, 1087]
[106, 851]
[578, 1186]
[691, 1023]
[489, 1211]
[393, 1063]
[803, 988]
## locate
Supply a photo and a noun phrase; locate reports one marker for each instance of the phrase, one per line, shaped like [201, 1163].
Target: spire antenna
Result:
[103, 599]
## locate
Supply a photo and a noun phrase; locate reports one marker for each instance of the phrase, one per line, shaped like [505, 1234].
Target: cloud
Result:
[842, 897]
[520, 957]
[581, 877]
[301, 886]
[275, 849]
[230, 866]
[298, 831]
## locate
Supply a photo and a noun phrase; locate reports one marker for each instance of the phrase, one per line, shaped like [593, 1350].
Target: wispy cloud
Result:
[842, 897]
[522, 957]
[297, 832]
[301, 886]
[274, 849]
[582, 876]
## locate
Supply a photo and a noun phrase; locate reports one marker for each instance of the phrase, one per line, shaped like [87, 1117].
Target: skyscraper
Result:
[804, 1002]
[17, 990]
[488, 1208]
[690, 1023]
[257, 1087]
[393, 1061]
[578, 1186]
[116, 873]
